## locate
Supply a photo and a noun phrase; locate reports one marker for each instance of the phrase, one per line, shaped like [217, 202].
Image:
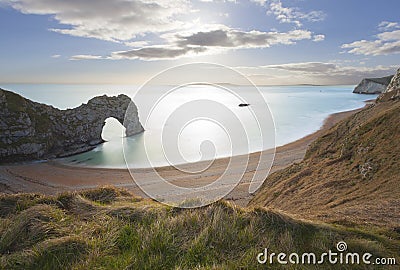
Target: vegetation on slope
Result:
[350, 175]
[108, 228]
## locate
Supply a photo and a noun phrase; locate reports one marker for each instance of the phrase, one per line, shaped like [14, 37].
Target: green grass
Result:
[15, 102]
[107, 228]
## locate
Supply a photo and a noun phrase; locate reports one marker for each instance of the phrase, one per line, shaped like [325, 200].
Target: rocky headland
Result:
[373, 85]
[33, 131]
[392, 92]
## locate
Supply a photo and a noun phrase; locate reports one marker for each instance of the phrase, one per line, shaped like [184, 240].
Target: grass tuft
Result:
[102, 195]
[30, 227]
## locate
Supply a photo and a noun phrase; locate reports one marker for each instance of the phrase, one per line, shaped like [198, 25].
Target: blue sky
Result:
[128, 41]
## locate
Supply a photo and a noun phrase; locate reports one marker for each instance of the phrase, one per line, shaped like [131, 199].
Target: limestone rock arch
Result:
[31, 130]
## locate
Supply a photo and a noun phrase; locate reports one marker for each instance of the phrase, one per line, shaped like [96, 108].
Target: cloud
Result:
[136, 44]
[157, 53]
[318, 38]
[210, 1]
[260, 2]
[385, 43]
[306, 67]
[325, 69]
[241, 39]
[203, 42]
[207, 42]
[389, 36]
[384, 26]
[315, 73]
[55, 56]
[292, 14]
[86, 57]
[117, 20]
[128, 21]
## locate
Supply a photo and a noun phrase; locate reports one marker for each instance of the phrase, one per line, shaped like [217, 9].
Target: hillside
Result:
[349, 175]
[108, 228]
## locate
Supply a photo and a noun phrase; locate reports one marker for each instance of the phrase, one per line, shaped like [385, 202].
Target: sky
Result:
[272, 42]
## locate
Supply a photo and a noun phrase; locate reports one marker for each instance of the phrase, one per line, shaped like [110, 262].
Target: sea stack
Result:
[33, 131]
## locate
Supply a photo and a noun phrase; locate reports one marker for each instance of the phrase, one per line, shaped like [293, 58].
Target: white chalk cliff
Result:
[372, 85]
[392, 92]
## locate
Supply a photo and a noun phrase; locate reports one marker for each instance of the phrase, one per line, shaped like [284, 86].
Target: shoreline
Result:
[52, 177]
[325, 122]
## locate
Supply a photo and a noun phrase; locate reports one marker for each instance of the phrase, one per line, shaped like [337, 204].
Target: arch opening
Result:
[112, 130]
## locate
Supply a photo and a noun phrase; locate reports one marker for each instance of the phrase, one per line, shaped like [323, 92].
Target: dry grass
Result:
[104, 195]
[10, 204]
[30, 227]
[73, 232]
[351, 175]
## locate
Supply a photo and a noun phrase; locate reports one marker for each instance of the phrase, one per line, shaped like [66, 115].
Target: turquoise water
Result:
[297, 111]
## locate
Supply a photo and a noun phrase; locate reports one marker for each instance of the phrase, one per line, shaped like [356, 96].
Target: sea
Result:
[292, 112]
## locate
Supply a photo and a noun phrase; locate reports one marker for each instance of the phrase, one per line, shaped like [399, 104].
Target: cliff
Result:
[350, 174]
[392, 92]
[373, 85]
[31, 130]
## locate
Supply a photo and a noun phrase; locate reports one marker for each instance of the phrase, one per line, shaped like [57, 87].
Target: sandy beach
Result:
[52, 177]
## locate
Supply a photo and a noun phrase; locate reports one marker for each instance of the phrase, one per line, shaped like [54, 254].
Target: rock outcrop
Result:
[373, 85]
[392, 92]
[31, 130]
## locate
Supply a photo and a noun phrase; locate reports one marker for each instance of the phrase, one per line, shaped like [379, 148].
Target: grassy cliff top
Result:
[107, 228]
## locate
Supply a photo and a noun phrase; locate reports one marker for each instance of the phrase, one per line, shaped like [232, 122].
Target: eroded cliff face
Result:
[31, 130]
[373, 85]
[392, 92]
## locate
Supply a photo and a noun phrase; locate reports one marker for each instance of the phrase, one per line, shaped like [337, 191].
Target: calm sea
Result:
[297, 111]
